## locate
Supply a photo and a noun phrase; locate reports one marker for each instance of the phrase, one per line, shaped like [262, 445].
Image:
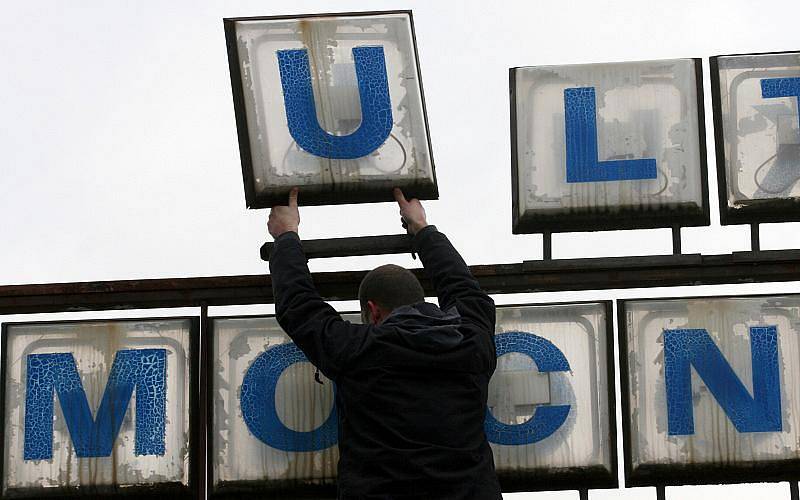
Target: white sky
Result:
[120, 159]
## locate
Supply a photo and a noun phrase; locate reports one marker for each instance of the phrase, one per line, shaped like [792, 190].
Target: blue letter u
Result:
[301, 112]
[546, 419]
[257, 400]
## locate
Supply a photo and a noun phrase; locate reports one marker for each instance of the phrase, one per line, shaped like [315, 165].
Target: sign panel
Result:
[551, 400]
[100, 407]
[708, 389]
[608, 146]
[330, 103]
[757, 129]
[274, 427]
[550, 423]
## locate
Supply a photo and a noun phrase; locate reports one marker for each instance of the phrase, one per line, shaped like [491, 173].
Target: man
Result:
[412, 381]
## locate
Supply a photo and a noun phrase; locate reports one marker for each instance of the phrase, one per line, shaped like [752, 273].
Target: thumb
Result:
[293, 197]
[400, 197]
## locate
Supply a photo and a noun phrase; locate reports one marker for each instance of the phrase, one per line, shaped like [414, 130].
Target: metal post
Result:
[583, 494]
[661, 493]
[793, 492]
[547, 246]
[676, 240]
[755, 240]
[205, 344]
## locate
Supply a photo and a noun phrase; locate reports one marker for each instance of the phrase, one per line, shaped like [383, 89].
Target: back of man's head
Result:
[390, 286]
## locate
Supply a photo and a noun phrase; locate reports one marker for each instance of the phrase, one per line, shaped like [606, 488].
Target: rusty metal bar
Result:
[205, 434]
[676, 240]
[547, 245]
[533, 276]
[755, 239]
[349, 247]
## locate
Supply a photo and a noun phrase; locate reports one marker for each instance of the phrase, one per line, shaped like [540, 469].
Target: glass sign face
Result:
[711, 389]
[551, 420]
[332, 104]
[98, 405]
[608, 146]
[758, 136]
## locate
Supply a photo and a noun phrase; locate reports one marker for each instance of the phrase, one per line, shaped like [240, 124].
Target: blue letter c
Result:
[546, 419]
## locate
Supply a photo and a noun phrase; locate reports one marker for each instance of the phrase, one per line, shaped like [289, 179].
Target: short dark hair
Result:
[390, 287]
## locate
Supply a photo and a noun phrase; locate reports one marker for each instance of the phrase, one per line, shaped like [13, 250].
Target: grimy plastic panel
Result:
[99, 406]
[274, 426]
[551, 401]
[332, 104]
[605, 146]
[711, 389]
[758, 134]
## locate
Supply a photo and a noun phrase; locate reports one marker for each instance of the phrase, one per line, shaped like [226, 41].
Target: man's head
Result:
[386, 288]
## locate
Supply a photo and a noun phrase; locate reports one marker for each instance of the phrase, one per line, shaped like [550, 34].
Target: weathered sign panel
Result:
[709, 389]
[330, 103]
[608, 146]
[100, 407]
[757, 129]
[273, 427]
[551, 420]
[550, 424]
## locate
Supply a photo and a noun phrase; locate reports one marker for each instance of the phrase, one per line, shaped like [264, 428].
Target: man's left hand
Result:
[284, 218]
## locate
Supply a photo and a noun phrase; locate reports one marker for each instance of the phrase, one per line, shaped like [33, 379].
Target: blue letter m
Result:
[685, 348]
[142, 369]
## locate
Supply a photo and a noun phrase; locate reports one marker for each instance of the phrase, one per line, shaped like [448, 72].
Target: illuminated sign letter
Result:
[257, 400]
[144, 370]
[546, 419]
[687, 348]
[301, 112]
[581, 144]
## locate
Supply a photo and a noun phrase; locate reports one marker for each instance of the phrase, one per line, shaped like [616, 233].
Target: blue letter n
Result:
[143, 369]
[685, 348]
[581, 139]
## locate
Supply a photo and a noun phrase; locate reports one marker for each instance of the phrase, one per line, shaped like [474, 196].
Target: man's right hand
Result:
[411, 211]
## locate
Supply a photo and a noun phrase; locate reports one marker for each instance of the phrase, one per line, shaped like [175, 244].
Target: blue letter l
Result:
[581, 139]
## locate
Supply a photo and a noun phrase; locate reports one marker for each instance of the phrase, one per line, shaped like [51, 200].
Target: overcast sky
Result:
[120, 158]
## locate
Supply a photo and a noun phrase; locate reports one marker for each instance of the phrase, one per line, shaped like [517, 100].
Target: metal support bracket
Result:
[349, 247]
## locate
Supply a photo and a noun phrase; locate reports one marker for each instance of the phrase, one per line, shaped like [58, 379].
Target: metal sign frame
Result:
[580, 478]
[165, 491]
[243, 134]
[230, 490]
[588, 220]
[754, 211]
[662, 475]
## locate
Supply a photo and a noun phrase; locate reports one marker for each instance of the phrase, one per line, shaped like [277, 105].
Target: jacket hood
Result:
[426, 327]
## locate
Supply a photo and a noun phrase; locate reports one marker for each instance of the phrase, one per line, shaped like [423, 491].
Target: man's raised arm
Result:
[454, 284]
[316, 327]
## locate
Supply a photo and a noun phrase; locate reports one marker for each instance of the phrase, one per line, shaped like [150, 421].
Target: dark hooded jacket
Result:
[411, 392]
